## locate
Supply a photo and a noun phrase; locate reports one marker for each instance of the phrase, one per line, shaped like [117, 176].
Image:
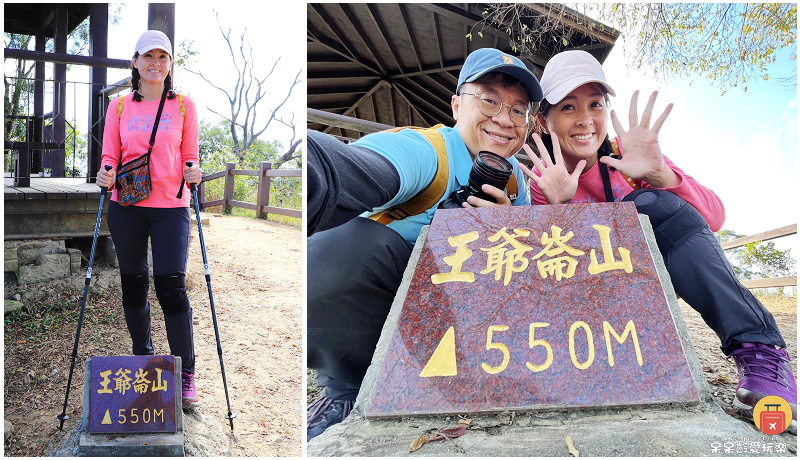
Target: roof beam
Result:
[380, 85]
[340, 35]
[334, 120]
[424, 102]
[405, 74]
[340, 52]
[437, 30]
[373, 13]
[410, 33]
[347, 9]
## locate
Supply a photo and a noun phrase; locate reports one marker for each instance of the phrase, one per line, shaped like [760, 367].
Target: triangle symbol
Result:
[106, 419]
[443, 360]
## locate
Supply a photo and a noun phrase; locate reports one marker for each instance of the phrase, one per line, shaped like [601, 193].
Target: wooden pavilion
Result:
[379, 65]
[56, 207]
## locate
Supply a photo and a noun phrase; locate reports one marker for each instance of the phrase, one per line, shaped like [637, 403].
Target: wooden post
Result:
[98, 46]
[201, 190]
[60, 93]
[38, 105]
[264, 184]
[229, 177]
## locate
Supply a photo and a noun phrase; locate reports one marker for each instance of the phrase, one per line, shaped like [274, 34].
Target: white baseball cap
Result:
[154, 39]
[568, 70]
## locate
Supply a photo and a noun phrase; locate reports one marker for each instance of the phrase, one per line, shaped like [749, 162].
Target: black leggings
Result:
[168, 231]
[702, 275]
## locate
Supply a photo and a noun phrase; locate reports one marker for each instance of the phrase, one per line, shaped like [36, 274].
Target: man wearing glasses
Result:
[355, 265]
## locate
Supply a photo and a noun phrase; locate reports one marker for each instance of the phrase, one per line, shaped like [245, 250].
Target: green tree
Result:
[730, 44]
[758, 260]
[18, 89]
[742, 270]
[768, 260]
[75, 145]
[217, 148]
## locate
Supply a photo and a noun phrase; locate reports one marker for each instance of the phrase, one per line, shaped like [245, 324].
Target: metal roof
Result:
[398, 64]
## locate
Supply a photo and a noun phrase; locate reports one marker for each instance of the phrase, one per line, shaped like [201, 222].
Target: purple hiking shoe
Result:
[190, 398]
[764, 371]
[324, 413]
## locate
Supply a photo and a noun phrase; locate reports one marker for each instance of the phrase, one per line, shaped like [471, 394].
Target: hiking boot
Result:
[325, 413]
[190, 398]
[764, 371]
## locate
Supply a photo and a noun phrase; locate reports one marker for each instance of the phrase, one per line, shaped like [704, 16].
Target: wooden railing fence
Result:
[265, 173]
[769, 235]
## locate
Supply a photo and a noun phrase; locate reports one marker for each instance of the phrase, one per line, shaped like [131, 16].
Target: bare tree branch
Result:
[248, 92]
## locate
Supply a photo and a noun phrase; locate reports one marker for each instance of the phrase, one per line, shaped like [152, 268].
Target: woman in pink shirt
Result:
[577, 166]
[163, 217]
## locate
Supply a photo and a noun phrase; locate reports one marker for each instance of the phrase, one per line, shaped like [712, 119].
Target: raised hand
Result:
[557, 184]
[641, 153]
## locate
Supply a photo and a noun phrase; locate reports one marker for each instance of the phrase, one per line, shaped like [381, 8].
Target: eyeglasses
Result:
[490, 105]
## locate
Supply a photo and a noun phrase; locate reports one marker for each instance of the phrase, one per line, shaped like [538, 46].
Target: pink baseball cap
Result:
[154, 39]
[568, 70]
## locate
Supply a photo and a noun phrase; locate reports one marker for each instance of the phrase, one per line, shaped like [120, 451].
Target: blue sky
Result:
[742, 145]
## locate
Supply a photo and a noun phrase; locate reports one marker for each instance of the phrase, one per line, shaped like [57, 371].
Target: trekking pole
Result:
[193, 186]
[64, 415]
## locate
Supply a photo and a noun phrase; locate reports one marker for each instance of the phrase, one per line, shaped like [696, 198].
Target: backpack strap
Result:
[422, 201]
[434, 192]
[181, 106]
[512, 188]
[120, 105]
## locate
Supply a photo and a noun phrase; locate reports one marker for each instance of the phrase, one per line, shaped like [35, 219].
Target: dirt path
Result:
[256, 277]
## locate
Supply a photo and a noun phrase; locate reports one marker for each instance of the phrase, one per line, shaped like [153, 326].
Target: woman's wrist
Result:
[664, 178]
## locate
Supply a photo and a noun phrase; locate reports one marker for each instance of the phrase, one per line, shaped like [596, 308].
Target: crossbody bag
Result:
[133, 178]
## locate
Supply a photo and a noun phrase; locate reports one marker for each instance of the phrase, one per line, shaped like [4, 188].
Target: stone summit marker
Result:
[132, 407]
[133, 394]
[541, 307]
[524, 350]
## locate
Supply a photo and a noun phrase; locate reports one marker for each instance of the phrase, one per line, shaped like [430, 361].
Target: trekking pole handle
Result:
[183, 181]
[103, 190]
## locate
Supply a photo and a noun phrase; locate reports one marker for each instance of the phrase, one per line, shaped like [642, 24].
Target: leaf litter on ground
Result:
[437, 435]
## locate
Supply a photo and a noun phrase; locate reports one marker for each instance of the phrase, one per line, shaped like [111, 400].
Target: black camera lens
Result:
[488, 168]
[491, 169]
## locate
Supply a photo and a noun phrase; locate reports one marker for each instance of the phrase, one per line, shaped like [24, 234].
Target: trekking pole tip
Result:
[62, 418]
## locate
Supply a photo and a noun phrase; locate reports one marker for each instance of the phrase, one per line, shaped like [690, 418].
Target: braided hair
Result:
[135, 77]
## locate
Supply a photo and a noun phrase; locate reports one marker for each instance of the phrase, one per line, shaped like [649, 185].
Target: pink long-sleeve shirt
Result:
[176, 143]
[590, 190]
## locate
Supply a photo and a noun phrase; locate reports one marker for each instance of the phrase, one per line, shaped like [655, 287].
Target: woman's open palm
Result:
[557, 184]
[641, 153]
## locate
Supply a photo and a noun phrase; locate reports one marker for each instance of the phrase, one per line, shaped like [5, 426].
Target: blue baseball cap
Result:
[485, 60]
